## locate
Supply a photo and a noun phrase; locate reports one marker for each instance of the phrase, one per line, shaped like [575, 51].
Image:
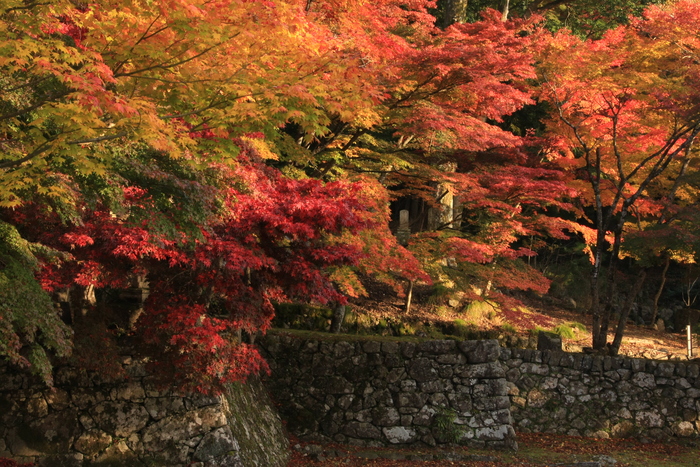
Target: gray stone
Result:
[120, 454]
[160, 407]
[92, 442]
[437, 347]
[400, 434]
[649, 419]
[425, 416]
[482, 370]
[343, 350]
[548, 341]
[361, 430]
[494, 433]
[385, 416]
[216, 444]
[178, 428]
[644, 380]
[481, 351]
[422, 369]
[120, 418]
[132, 391]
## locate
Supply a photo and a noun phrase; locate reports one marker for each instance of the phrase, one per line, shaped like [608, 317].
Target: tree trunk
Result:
[504, 13]
[454, 11]
[409, 296]
[660, 290]
[595, 292]
[626, 312]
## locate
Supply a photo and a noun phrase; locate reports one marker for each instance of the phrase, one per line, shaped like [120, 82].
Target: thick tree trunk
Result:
[454, 11]
[624, 314]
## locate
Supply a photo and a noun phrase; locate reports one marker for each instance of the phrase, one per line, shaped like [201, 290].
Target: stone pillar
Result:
[442, 215]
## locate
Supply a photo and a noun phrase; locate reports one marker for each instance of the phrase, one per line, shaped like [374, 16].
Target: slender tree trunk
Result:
[596, 310]
[409, 296]
[506, 7]
[660, 290]
[626, 312]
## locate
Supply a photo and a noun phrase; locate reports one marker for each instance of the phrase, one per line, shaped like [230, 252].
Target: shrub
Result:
[564, 331]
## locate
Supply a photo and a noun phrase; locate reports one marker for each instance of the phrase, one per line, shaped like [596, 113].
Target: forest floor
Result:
[541, 312]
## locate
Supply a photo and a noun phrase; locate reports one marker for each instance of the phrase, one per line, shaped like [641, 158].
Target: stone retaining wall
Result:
[87, 421]
[391, 393]
[585, 395]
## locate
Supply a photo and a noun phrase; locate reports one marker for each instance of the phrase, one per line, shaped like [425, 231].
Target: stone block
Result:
[548, 341]
[437, 347]
[400, 434]
[665, 370]
[422, 369]
[481, 370]
[408, 349]
[385, 416]
[390, 347]
[92, 442]
[644, 380]
[215, 445]
[371, 346]
[361, 430]
[120, 418]
[684, 429]
[649, 419]
[484, 351]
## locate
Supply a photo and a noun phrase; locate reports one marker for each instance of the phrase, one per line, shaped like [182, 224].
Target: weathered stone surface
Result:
[92, 442]
[362, 430]
[400, 435]
[216, 444]
[160, 407]
[177, 428]
[684, 429]
[116, 424]
[644, 380]
[396, 398]
[481, 351]
[537, 391]
[132, 391]
[422, 369]
[386, 416]
[616, 396]
[548, 341]
[58, 399]
[120, 418]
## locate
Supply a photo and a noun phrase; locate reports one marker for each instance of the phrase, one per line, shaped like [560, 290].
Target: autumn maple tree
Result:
[626, 109]
[236, 154]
